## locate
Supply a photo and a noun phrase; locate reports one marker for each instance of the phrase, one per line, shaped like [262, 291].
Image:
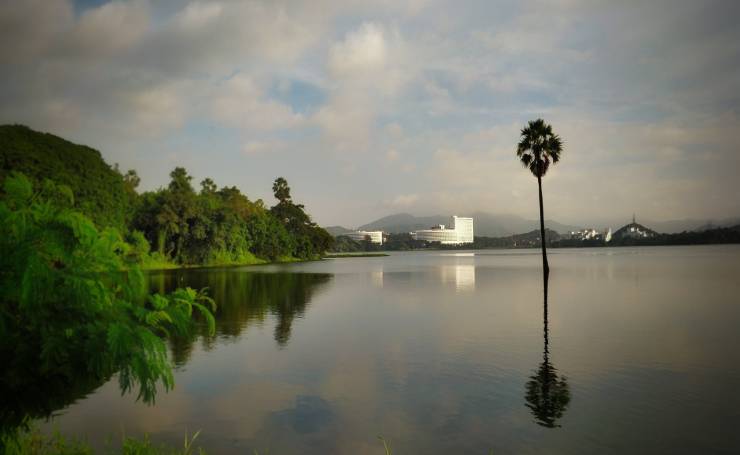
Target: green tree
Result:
[178, 207]
[131, 180]
[538, 147]
[310, 240]
[73, 304]
[100, 190]
[281, 190]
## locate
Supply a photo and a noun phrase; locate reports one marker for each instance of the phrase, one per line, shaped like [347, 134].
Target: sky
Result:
[374, 108]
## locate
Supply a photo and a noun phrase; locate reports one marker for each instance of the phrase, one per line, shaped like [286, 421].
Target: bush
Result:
[73, 305]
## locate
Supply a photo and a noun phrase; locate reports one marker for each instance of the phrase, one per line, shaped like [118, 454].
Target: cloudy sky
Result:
[372, 108]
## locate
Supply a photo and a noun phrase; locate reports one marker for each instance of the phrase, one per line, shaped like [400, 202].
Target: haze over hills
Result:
[676, 226]
[486, 224]
[497, 225]
[337, 230]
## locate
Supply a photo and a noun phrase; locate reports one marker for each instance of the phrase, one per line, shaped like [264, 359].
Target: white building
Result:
[461, 231]
[374, 236]
[591, 234]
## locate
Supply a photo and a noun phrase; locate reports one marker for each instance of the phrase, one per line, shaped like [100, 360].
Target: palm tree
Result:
[537, 148]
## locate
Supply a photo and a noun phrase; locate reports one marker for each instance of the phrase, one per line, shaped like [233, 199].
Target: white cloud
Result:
[361, 52]
[156, 109]
[437, 94]
[367, 70]
[198, 15]
[404, 200]
[254, 148]
[240, 103]
[108, 30]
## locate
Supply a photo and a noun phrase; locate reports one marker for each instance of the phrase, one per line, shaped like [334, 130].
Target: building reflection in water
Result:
[462, 276]
[547, 395]
[376, 277]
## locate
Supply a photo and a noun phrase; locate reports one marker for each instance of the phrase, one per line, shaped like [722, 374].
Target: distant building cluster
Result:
[460, 231]
[635, 231]
[591, 234]
[372, 236]
[632, 230]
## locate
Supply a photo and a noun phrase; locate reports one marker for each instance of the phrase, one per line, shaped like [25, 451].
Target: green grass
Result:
[156, 262]
[33, 442]
[223, 258]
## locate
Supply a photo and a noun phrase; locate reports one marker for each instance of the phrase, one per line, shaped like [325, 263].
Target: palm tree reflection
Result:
[547, 394]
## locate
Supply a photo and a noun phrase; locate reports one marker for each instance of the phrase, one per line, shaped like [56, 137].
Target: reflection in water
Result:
[244, 299]
[310, 414]
[461, 275]
[35, 398]
[376, 277]
[547, 394]
[440, 378]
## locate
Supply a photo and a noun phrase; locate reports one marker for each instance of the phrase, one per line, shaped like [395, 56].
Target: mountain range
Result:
[486, 224]
[498, 225]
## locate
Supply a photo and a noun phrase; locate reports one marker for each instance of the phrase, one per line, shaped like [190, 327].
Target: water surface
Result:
[446, 352]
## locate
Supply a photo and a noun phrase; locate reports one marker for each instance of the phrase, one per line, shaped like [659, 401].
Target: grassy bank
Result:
[33, 442]
[155, 262]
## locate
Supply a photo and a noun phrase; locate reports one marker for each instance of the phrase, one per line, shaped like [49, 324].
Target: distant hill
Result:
[633, 230]
[532, 238]
[486, 224]
[673, 226]
[337, 230]
[99, 190]
[714, 224]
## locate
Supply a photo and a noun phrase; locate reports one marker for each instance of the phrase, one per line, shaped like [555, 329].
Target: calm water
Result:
[444, 352]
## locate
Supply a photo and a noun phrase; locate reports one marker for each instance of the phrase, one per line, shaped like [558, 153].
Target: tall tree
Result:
[281, 189]
[538, 147]
[179, 206]
[310, 240]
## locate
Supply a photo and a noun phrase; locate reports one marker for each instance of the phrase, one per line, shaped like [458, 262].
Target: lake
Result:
[449, 352]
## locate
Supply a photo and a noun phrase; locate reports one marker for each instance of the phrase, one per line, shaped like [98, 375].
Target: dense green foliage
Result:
[311, 241]
[101, 192]
[222, 226]
[74, 304]
[182, 225]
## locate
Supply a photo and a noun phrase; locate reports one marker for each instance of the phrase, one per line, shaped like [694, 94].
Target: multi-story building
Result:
[373, 236]
[460, 232]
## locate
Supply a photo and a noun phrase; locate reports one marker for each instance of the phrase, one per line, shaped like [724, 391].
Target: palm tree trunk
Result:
[543, 241]
[546, 332]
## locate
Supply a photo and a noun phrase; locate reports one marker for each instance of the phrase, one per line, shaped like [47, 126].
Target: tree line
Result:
[178, 223]
[403, 241]
[76, 308]
[222, 225]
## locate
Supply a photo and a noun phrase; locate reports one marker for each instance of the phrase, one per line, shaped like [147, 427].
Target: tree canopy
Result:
[538, 147]
[100, 190]
[181, 224]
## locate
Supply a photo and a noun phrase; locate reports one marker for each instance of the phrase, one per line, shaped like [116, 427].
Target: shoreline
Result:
[226, 265]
